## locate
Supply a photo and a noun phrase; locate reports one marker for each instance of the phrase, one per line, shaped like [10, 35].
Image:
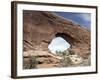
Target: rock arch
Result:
[65, 36]
[41, 27]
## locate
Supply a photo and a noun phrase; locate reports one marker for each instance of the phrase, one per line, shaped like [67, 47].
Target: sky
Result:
[58, 44]
[84, 19]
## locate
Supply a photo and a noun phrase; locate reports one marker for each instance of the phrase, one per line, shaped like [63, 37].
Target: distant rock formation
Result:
[41, 27]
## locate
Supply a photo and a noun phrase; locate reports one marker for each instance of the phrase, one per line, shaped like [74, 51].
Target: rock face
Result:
[41, 27]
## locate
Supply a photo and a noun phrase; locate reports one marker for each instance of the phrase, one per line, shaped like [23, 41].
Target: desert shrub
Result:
[59, 53]
[26, 64]
[86, 62]
[71, 52]
[32, 61]
[66, 61]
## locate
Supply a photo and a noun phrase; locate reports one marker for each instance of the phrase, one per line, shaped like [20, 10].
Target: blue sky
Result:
[84, 19]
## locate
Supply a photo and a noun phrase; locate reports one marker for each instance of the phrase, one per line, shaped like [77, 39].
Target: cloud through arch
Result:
[58, 44]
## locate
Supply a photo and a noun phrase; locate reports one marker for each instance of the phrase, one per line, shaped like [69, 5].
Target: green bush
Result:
[59, 53]
[33, 62]
[71, 52]
[66, 61]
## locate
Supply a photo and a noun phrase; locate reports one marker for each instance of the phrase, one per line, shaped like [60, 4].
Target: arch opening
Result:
[59, 43]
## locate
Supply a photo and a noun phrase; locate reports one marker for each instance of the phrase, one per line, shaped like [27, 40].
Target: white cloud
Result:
[85, 17]
[58, 44]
